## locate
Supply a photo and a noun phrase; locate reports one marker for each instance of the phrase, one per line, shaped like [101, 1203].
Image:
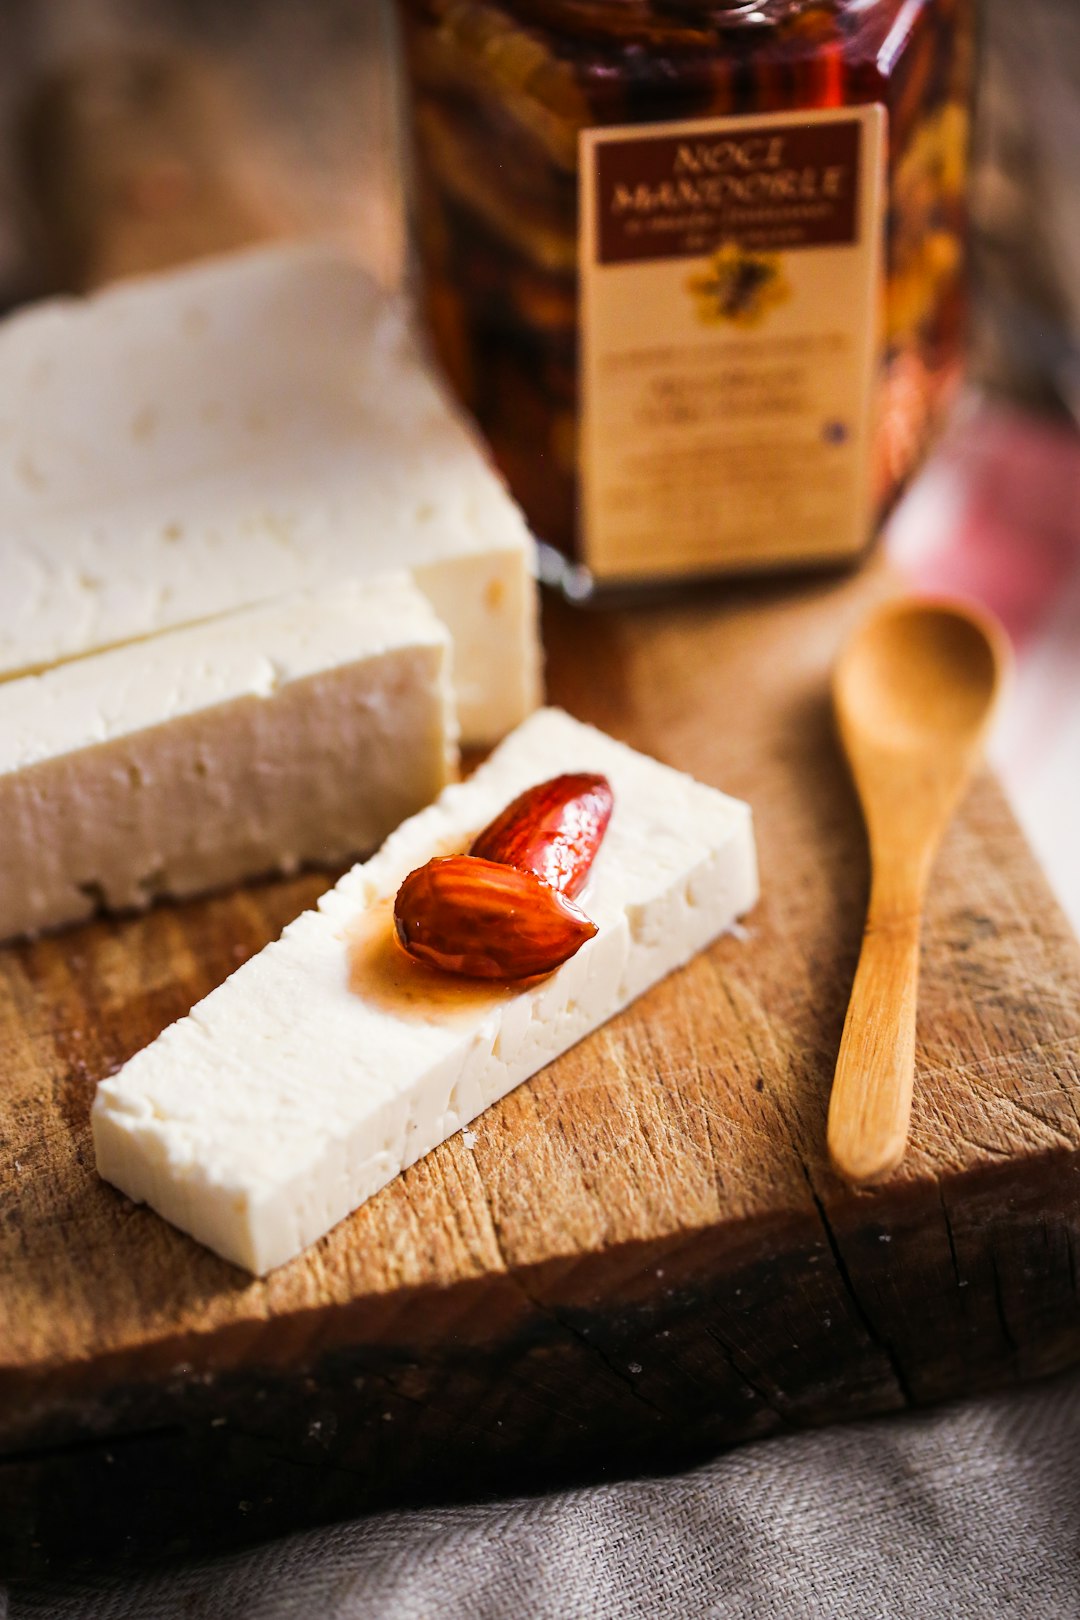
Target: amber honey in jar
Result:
[697, 269]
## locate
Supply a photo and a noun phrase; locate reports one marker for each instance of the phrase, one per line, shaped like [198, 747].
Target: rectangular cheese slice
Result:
[300, 731]
[329, 1062]
[178, 446]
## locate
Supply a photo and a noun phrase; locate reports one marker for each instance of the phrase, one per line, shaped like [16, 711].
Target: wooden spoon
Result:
[914, 692]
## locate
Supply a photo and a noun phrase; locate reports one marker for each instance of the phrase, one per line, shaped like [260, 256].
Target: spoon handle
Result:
[870, 1104]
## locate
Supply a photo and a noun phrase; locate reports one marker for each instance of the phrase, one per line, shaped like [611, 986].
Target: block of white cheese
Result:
[330, 1061]
[178, 446]
[299, 731]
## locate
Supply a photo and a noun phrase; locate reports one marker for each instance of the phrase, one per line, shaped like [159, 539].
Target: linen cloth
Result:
[964, 1513]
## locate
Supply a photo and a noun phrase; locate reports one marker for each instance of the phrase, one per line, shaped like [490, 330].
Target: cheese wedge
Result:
[329, 1062]
[301, 731]
[179, 446]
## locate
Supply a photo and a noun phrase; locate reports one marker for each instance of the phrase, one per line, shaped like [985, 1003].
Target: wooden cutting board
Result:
[644, 1255]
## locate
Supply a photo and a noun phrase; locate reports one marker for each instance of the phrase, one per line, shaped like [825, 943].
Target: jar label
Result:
[730, 274]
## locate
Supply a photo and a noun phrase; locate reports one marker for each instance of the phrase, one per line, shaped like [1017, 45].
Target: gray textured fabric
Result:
[969, 1513]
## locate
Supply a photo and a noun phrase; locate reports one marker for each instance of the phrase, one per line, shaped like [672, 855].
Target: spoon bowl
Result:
[919, 669]
[914, 692]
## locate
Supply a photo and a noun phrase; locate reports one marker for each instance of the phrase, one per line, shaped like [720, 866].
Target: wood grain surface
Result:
[644, 1255]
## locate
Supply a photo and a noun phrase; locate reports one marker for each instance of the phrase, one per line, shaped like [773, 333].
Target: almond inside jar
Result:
[502, 93]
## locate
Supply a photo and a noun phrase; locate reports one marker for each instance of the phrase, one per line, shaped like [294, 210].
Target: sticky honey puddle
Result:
[386, 977]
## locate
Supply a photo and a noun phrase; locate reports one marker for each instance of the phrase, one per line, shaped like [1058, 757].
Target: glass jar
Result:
[697, 269]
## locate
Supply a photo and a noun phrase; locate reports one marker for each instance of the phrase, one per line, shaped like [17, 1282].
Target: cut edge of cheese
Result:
[318, 1071]
[296, 732]
[189, 442]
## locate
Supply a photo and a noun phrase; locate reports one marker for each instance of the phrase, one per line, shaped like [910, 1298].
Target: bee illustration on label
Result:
[739, 288]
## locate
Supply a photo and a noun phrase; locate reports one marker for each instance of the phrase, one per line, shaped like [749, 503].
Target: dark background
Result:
[309, 81]
[310, 77]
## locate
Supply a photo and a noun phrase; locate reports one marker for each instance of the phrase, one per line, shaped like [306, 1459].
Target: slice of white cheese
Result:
[182, 445]
[300, 731]
[329, 1062]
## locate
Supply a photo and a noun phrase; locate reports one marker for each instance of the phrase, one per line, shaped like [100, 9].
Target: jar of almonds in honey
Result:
[698, 269]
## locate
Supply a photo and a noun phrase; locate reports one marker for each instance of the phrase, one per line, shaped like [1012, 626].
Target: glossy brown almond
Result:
[486, 920]
[553, 829]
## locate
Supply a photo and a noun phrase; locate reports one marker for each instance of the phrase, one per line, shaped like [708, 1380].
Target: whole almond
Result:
[553, 829]
[486, 920]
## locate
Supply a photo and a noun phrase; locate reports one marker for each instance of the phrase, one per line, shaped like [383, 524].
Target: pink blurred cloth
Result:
[996, 519]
